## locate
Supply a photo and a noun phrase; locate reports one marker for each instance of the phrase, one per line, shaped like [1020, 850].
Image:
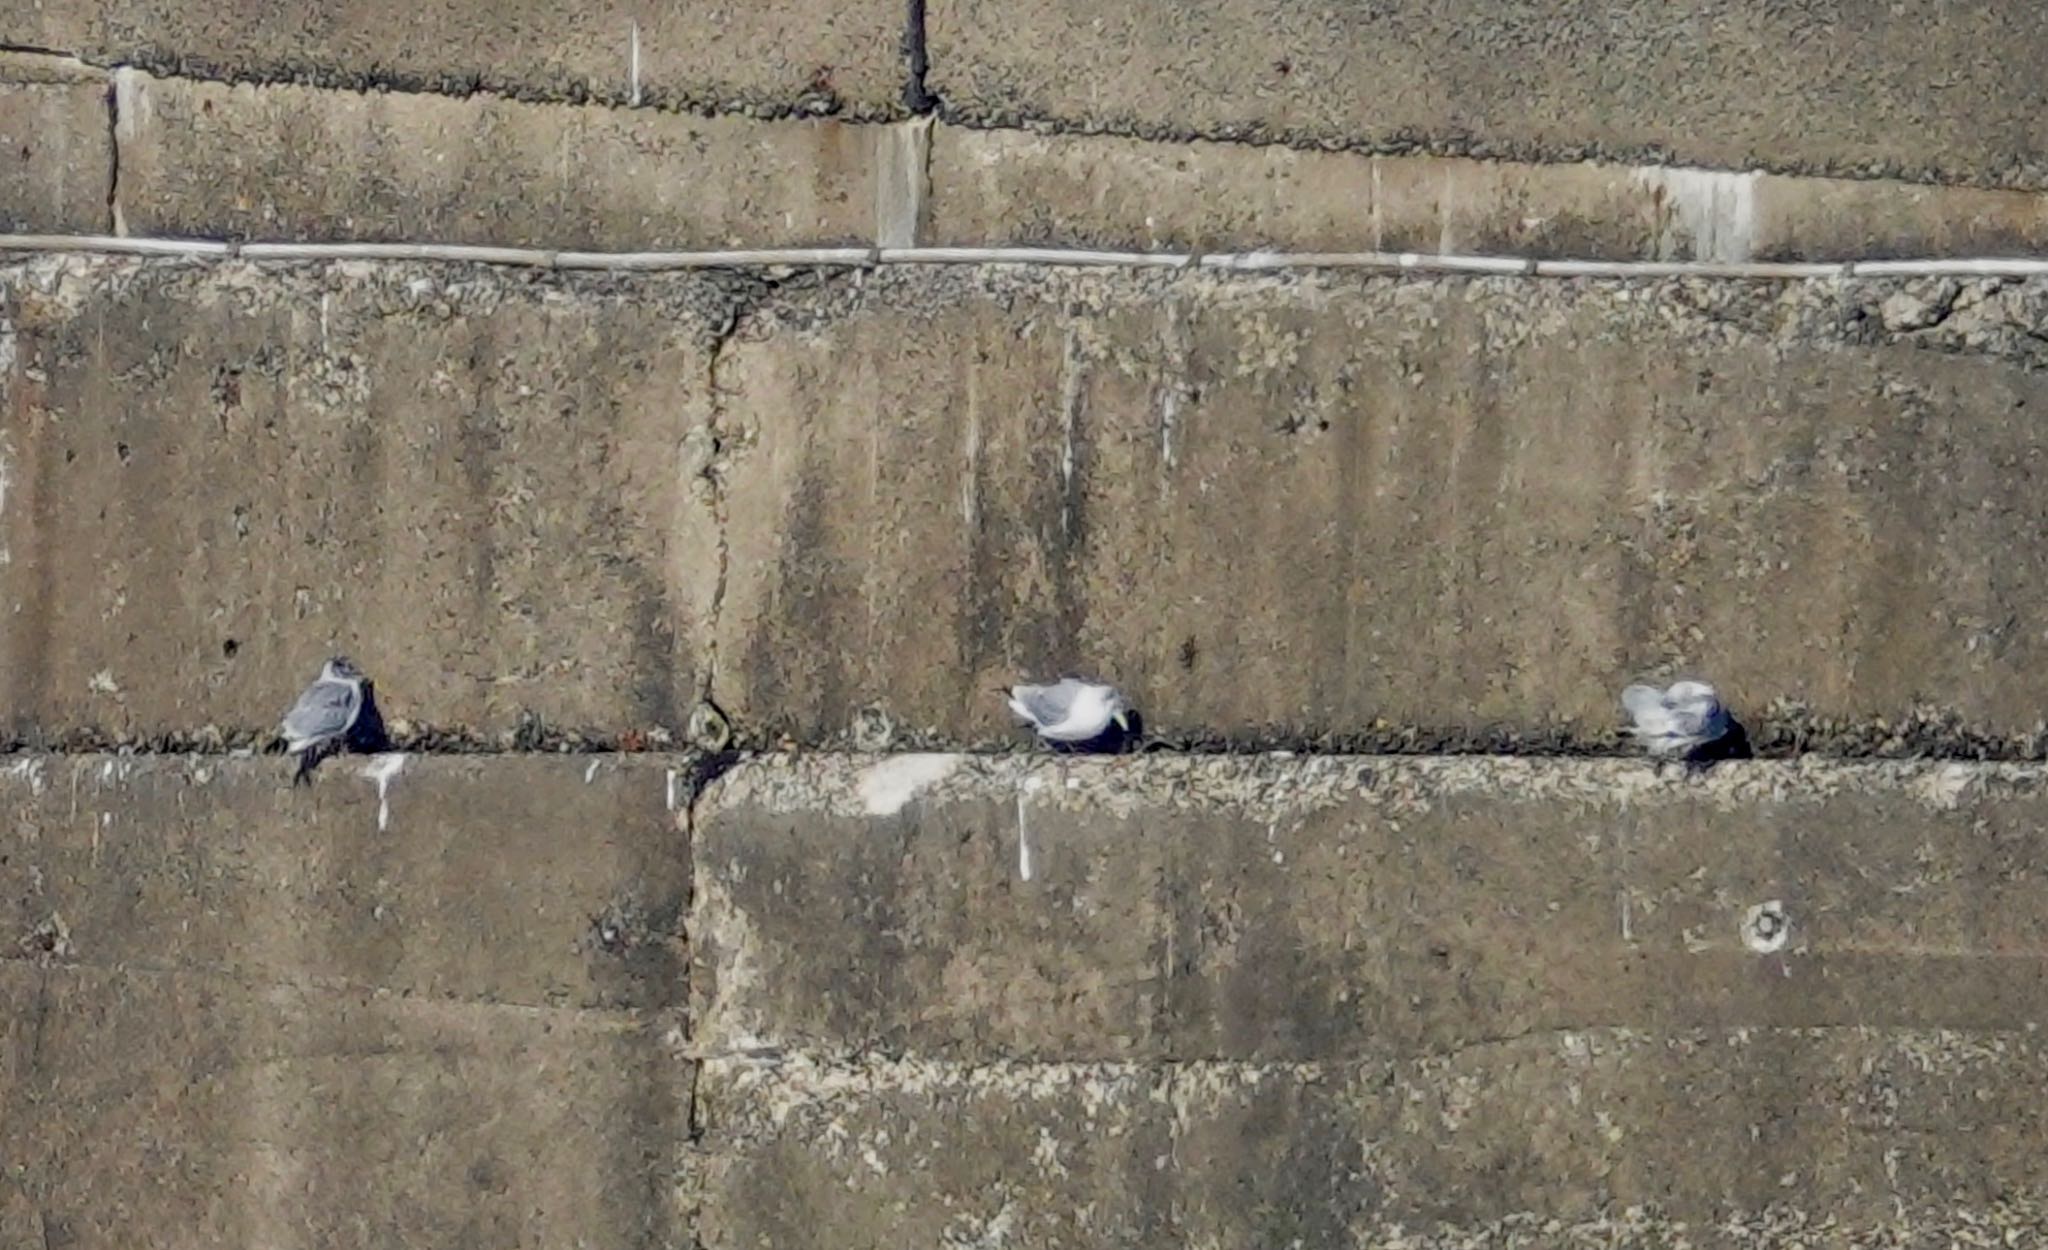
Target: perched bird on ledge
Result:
[1686, 721]
[1071, 711]
[330, 715]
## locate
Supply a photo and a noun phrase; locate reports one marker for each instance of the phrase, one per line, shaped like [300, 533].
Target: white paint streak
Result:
[1070, 416]
[970, 487]
[6, 462]
[887, 787]
[1024, 828]
[30, 770]
[1944, 788]
[671, 789]
[1712, 213]
[382, 770]
[633, 63]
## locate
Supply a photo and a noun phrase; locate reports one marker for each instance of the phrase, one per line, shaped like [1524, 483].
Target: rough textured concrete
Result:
[1009, 186]
[1296, 506]
[1366, 1001]
[482, 487]
[1918, 87]
[55, 156]
[1338, 909]
[1596, 1138]
[773, 57]
[163, 864]
[1470, 509]
[299, 163]
[242, 1014]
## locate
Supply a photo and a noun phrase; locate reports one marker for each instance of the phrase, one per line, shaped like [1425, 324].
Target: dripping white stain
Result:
[1023, 828]
[383, 770]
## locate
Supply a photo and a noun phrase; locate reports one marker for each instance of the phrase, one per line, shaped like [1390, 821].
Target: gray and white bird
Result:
[1685, 720]
[319, 723]
[1071, 710]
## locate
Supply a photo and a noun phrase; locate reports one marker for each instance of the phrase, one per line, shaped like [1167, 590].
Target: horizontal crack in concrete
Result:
[737, 102]
[1255, 134]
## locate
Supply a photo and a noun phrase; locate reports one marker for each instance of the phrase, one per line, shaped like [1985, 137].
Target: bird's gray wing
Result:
[325, 710]
[1047, 705]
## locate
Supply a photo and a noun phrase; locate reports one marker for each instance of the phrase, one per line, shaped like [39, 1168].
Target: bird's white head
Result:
[1693, 696]
[340, 668]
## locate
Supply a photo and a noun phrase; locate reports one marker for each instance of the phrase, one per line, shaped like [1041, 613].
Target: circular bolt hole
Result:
[1766, 928]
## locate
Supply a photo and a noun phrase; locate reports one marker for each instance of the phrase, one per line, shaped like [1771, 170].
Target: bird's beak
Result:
[1122, 722]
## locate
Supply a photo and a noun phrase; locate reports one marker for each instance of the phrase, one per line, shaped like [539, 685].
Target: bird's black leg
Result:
[310, 758]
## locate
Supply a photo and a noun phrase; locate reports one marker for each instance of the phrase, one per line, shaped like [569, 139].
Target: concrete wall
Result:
[904, 1000]
[239, 1014]
[1291, 507]
[940, 1000]
[1919, 88]
[531, 161]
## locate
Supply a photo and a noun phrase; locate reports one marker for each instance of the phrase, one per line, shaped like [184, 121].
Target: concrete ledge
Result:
[184, 1110]
[297, 163]
[1338, 910]
[434, 1006]
[389, 875]
[487, 491]
[1023, 187]
[774, 58]
[1287, 506]
[1587, 1137]
[1917, 89]
[1459, 509]
[55, 158]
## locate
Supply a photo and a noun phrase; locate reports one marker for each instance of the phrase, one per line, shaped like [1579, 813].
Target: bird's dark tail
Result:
[309, 759]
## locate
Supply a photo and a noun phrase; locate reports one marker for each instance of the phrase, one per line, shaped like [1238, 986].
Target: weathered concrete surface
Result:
[1025, 187]
[1916, 88]
[1283, 507]
[239, 1014]
[1597, 1137]
[301, 163]
[390, 874]
[1339, 909]
[55, 156]
[768, 57]
[482, 487]
[1302, 504]
[1367, 1001]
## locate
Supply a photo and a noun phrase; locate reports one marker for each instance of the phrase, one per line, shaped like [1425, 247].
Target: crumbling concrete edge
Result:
[909, 207]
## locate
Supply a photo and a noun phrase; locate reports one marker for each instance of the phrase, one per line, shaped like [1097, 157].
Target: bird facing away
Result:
[319, 723]
[1071, 710]
[1686, 720]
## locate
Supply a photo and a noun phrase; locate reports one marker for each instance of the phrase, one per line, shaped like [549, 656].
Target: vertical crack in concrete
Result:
[916, 96]
[713, 476]
[704, 770]
[116, 81]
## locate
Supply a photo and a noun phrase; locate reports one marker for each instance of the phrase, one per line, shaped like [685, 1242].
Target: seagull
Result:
[1071, 710]
[1686, 720]
[319, 723]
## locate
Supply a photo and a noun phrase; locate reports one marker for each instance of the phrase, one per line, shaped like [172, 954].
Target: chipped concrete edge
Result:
[869, 257]
[882, 785]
